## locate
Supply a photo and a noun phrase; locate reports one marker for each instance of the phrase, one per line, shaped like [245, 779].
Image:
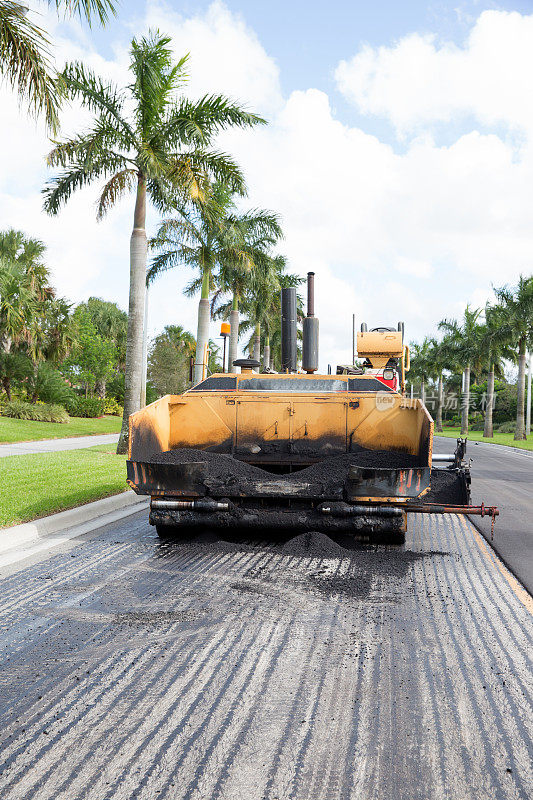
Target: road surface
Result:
[56, 445]
[266, 670]
[503, 477]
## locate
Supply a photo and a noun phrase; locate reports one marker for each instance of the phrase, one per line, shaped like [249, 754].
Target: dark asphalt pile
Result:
[445, 488]
[331, 469]
[334, 470]
[219, 465]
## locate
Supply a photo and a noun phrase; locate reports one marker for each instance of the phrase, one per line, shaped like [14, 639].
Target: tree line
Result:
[49, 350]
[477, 347]
[153, 141]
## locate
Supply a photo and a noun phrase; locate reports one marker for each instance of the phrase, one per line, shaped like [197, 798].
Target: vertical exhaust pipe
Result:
[288, 330]
[310, 329]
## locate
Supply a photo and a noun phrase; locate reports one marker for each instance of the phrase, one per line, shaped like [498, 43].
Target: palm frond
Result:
[58, 190]
[115, 188]
[25, 62]
[99, 96]
[89, 9]
[213, 113]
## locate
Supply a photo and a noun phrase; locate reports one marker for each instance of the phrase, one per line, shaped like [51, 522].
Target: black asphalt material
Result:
[246, 669]
[330, 469]
[503, 477]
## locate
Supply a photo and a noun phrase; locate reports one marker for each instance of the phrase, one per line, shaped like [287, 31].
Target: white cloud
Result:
[420, 80]
[391, 235]
[226, 56]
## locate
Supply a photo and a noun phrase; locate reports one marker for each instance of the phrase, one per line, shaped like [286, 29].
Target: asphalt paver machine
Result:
[298, 450]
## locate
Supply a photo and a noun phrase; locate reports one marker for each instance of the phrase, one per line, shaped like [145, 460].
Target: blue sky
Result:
[399, 151]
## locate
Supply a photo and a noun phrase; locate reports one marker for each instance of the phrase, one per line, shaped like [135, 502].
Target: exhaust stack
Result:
[310, 329]
[288, 330]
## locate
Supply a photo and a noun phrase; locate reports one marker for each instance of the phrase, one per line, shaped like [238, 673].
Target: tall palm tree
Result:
[25, 52]
[436, 365]
[25, 290]
[256, 233]
[263, 289]
[421, 365]
[262, 307]
[161, 150]
[207, 239]
[517, 324]
[497, 347]
[464, 345]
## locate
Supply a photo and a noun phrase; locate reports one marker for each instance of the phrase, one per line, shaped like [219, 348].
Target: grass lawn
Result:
[22, 430]
[37, 485]
[498, 438]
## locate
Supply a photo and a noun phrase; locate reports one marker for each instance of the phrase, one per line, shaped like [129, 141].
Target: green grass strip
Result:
[22, 430]
[498, 438]
[36, 485]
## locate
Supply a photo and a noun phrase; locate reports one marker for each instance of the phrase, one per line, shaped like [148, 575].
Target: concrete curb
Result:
[77, 521]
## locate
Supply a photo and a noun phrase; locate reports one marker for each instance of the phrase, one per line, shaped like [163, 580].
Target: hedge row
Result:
[37, 412]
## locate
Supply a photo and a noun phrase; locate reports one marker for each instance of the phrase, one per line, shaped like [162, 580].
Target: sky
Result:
[399, 151]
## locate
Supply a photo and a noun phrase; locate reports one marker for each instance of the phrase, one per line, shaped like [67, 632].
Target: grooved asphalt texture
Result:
[307, 669]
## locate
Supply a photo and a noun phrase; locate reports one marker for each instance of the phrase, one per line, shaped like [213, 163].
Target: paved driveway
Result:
[55, 445]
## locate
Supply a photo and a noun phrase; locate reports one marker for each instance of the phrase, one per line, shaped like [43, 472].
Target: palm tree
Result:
[262, 307]
[436, 365]
[517, 325]
[24, 289]
[161, 150]
[207, 239]
[464, 346]
[496, 346]
[25, 52]
[264, 287]
[13, 366]
[421, 364]
[255, 234]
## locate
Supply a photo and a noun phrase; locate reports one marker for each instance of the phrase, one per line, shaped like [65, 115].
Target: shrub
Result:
[86, 407]
[506, 427]
[49, 386]
[111, 406]
[37, 412]
[477, 426]
[115, 387]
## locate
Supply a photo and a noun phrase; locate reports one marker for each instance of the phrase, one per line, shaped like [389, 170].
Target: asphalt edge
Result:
[85, 518]
[476, 522]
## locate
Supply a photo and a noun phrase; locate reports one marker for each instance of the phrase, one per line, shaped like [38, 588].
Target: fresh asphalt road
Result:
[265, 670]
[56, 445]
[503, 477]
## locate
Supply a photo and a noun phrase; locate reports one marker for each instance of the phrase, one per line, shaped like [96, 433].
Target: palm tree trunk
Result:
[423, 390]
[6, 383]
[465, 404]
[145, 350]
[132, 386]
[234, 333]
[266, 353]
[440, 404]
[257, 342]
[520, 432]
[202, 336]
[528, 398]
[488, 430]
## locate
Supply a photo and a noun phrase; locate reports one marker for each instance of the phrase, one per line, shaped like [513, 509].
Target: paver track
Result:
[261, 670]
